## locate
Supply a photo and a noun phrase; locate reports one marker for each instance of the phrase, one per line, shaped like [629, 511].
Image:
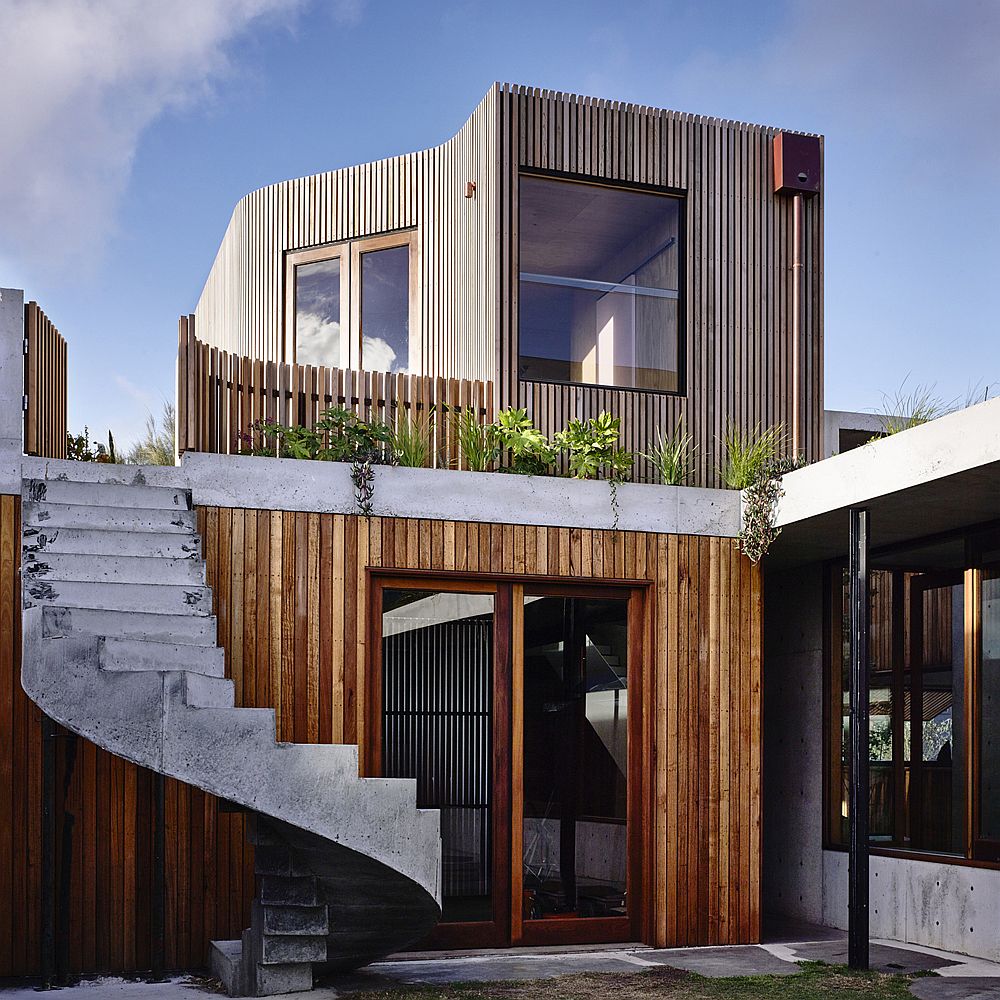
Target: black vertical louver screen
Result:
[437, 705]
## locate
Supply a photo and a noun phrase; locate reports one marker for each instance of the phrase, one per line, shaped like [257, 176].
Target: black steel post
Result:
[858, 924]
[48, 852]
[157, 922]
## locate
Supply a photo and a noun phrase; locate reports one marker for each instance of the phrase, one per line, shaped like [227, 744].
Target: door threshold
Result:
[564, 949]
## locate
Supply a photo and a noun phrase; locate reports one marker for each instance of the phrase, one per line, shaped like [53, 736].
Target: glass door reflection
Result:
[574, 713]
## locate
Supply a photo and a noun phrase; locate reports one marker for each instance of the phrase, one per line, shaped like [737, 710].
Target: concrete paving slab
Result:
[503, 968]
[937, 988]
[735, 960]
[882, 957]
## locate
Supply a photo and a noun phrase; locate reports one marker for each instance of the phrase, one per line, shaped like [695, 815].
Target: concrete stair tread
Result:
[165, 598]
[89, 494]
[78, 567]
[95, 540]
[61, 515]
[179, 629]
[150, 654]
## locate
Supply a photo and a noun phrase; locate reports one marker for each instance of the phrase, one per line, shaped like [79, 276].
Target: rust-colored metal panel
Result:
[797, 163]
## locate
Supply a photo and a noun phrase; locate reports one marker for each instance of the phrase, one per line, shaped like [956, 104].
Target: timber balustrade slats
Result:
[222, 397]
[44, 386]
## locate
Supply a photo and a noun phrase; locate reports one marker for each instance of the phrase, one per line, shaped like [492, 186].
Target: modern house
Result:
[493, 710]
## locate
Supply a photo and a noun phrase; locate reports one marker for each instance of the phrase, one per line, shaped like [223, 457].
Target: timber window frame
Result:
[523, 280]
[350, 254]
[905, 634]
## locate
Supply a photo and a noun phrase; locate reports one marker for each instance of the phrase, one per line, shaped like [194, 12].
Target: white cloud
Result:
[317, 340]
[143, 396]
[81, 80]
[378, 356]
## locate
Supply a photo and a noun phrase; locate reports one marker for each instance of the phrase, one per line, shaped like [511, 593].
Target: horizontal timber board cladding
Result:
[737, 282]
[104, 813]
[290, 595]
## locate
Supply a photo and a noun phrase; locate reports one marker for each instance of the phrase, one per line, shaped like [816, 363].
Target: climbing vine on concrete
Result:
[760, 508]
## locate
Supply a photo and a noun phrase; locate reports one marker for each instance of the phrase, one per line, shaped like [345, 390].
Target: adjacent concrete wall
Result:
[951, 907]
[792, 882]
[11, 388]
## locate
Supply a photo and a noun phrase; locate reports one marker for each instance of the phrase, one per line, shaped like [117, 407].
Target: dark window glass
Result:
[385, 310]
[317, 313]
[916, 743]
[575, 757]
[599, 287]
[437, 707]
[989, 702]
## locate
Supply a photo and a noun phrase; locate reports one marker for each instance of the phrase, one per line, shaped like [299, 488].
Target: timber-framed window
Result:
[355, 305]
[600, 285]
[934, 699]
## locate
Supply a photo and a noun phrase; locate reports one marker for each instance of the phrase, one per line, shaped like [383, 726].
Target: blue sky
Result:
[132, 128]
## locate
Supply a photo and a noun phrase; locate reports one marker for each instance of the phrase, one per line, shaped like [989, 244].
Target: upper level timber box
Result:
[579, 254]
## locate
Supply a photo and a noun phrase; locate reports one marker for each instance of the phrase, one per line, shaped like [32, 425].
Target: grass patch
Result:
[817, 981]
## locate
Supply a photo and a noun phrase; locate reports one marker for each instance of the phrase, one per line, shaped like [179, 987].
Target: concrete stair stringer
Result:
[105, 654]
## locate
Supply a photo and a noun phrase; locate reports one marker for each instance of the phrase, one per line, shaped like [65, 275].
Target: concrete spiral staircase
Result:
[120, 647]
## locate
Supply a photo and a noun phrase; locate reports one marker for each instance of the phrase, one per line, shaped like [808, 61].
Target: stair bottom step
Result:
[227, 965]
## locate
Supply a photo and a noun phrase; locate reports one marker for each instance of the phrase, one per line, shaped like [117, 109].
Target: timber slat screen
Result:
[44, 386]
[221, 398]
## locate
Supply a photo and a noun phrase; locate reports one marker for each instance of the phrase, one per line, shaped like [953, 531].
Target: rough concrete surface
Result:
[442, 494]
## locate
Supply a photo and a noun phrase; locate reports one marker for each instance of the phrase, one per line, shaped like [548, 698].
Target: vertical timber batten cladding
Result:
[242, 305]
[737, 257]
[291, 599]
[104, 824]
[736, 271]
[44, 386]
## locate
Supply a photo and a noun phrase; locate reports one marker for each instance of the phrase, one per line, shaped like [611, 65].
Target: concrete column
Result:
[11, 388]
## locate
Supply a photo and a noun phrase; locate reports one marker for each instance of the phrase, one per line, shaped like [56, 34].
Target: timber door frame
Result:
[478, 933]
[507, 927]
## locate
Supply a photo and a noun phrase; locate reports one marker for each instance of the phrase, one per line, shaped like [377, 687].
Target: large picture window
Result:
[599, 285]
[354, 305]
[934, 700]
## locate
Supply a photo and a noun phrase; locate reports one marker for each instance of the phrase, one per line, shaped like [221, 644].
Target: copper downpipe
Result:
[796, 323]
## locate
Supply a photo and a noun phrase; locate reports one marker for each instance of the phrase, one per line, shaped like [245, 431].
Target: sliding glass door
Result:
[510, 707]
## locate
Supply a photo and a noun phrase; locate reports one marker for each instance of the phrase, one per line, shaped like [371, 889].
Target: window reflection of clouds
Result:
[385, 309]
[317, 312]
[317, 340]
[379, 356]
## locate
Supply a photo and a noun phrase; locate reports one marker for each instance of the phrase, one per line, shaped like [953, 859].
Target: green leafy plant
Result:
[749, 453]
[593, 452]
[592, 448]
[475, 448]
[672, 454]
[79, 448]
[515, 439]
[410, 440]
